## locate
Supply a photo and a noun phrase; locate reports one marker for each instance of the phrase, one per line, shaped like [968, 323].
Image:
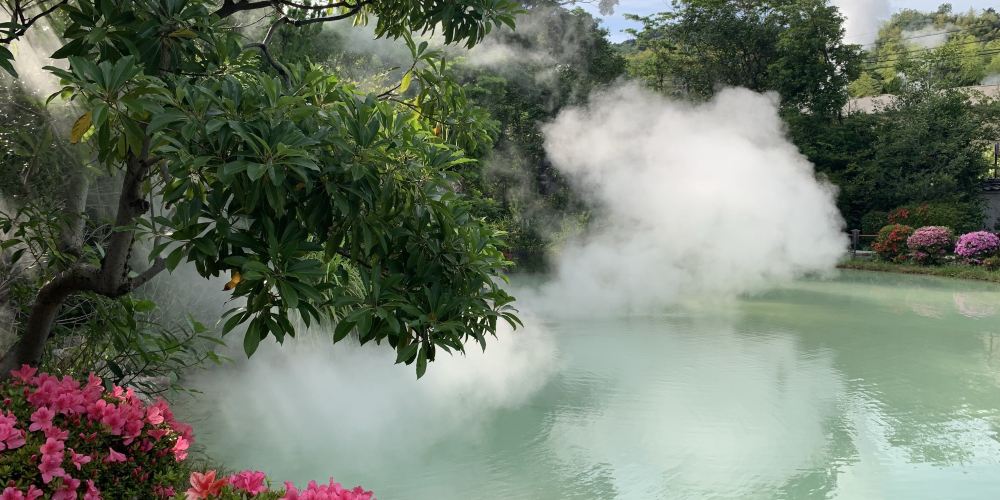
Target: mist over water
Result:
[693, 201]
[312, 398]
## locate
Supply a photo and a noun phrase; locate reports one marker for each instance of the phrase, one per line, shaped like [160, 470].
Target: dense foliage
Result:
[559, 57]
[925, 148]
[794, 48]
[281, 175]
[943, 48]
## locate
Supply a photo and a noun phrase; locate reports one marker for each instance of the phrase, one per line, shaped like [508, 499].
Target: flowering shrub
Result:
[974, 246]
[928, 245]
[890, 244]
[63, 439]
[253, 484]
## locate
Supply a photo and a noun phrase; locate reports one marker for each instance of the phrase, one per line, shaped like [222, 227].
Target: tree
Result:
[563, 55]
[793, 47]
[942, 49]
[280, 174]
[926, 147]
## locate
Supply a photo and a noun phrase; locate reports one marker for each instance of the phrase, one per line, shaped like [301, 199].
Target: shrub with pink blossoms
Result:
[975, 246]
[253, 484]
[65, 439]
[930, 244]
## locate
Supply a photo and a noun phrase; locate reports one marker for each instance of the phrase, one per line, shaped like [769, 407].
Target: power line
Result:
[899, 55]
[982, 53]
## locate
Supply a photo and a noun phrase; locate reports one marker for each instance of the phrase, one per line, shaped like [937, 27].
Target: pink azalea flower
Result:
[204, 486]
[92, 492]
[11, 493]
[25, 374]
[180, 448]
[41, 419]
[51, 468]
[10, 436]
[33, 493]
[162, 492]
[53, 432]
[113, 418]
[252, 482]
[79, 460]
[68, 490]
[52, 446]
[154, 415]
[330, 491]
[114, 456]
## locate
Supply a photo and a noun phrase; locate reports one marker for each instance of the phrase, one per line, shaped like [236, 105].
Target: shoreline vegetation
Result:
[949, 270]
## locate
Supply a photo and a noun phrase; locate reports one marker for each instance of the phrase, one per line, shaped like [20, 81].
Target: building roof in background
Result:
[874, 103]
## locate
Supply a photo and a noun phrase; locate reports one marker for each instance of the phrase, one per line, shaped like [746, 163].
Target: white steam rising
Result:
[928, 37]
[706, 200]
[863, 18]
[348, 399]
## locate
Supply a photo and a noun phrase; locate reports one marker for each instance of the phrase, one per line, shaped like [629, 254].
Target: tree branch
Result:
[280, 68]
[17, 31]
[229, 7]
[29, 348]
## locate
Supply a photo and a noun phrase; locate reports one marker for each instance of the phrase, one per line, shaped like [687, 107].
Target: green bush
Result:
[962, 217]
[872, 221]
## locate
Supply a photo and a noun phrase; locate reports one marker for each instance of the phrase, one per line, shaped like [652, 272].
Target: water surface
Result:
[868, 386]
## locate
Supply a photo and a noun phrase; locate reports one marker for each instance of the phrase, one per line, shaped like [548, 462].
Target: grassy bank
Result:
[957, 271]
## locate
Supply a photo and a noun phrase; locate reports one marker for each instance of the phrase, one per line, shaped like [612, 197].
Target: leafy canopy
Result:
[287, 178]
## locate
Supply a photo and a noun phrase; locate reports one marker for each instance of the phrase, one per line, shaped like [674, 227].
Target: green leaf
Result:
[288, 294]
[6, 59]
[343, 328]
[252, 338]
[404, 85]
[422, 361]
[143, 305]
[406, 353]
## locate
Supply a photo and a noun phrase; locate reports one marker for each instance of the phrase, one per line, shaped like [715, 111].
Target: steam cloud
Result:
[354, 398]
[863, 18]
[706, 200]
[930, 36]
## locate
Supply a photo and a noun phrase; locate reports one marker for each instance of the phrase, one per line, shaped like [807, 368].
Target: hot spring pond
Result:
[868, 386]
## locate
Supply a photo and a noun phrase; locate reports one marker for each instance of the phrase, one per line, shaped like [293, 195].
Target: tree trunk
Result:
[111, 280]
[28, 349]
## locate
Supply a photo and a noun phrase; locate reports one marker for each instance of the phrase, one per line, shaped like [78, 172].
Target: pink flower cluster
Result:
[206, 486]
[930, 243]
[977, 245]
[64, 410]
[66, 440]
[331, 491]
[930, 236]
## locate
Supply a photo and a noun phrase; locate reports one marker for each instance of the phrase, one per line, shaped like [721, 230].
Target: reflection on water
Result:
[870, 386]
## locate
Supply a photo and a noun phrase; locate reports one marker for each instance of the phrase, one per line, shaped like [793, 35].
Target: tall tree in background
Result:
[940, 49]
[555, 58]
[792, 47]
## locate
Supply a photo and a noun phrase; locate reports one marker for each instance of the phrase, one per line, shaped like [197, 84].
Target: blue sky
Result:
[616, 23]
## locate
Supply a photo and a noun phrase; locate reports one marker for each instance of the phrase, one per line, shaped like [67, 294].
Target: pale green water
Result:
[871, 386]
